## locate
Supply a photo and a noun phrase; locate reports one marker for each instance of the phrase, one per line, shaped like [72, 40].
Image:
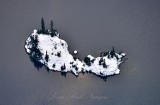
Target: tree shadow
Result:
[64, 74]
[36, 63]
[104, 78]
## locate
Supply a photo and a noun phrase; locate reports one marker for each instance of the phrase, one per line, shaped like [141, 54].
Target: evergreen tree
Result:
[63, 67]
[112, 53]
[59, 54]
[104, 64]
[51, 28]
[35, 52]
[87, 61]
[46, 57]
[42, 26]
[101, 61]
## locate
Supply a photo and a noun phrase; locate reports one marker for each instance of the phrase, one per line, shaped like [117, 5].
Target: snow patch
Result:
[75, 51]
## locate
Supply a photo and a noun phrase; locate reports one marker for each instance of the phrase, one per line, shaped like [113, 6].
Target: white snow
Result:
[55, 45]
[75, 51]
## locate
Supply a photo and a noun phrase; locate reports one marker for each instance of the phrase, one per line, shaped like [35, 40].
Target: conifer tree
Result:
[63, 67]
[112, 53]
[87, 61]
[46, 57]
[42, 26]
[52, 29]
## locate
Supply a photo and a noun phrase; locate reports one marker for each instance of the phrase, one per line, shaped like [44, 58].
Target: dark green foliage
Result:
[108, 56]
[34, 41]
[58, 54]
[51, 26]
[104, 64]
[76, 68]
[92, 61]
[43, 30]
[87, 61]
[112, 53]
[39, 32]
[116, 57]
[52, 30]
[83, 71]
[101, 73]
[42, 26]
[54, 65]
[63, 67]
[55, 47]
[73, 66]
[104, 54]
[101, 61]
[71, 62]
[46, 57]
[35, 53]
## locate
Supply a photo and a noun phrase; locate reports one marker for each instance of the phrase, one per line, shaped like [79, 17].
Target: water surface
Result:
[90, 27]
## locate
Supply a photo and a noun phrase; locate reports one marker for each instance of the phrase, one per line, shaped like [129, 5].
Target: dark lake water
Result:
[89, 26]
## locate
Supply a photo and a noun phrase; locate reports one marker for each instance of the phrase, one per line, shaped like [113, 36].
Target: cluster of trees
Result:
[102, 62]
[43, 29]
[35, 52]
[88, 61]
[110, 54]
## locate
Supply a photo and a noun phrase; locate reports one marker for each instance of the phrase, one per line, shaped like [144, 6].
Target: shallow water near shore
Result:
[89, 27]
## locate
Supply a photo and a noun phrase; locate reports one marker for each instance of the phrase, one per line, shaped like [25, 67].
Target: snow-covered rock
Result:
[53, 53]
[75, 51]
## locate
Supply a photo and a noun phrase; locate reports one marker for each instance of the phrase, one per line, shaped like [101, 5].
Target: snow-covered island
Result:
[47, 48]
